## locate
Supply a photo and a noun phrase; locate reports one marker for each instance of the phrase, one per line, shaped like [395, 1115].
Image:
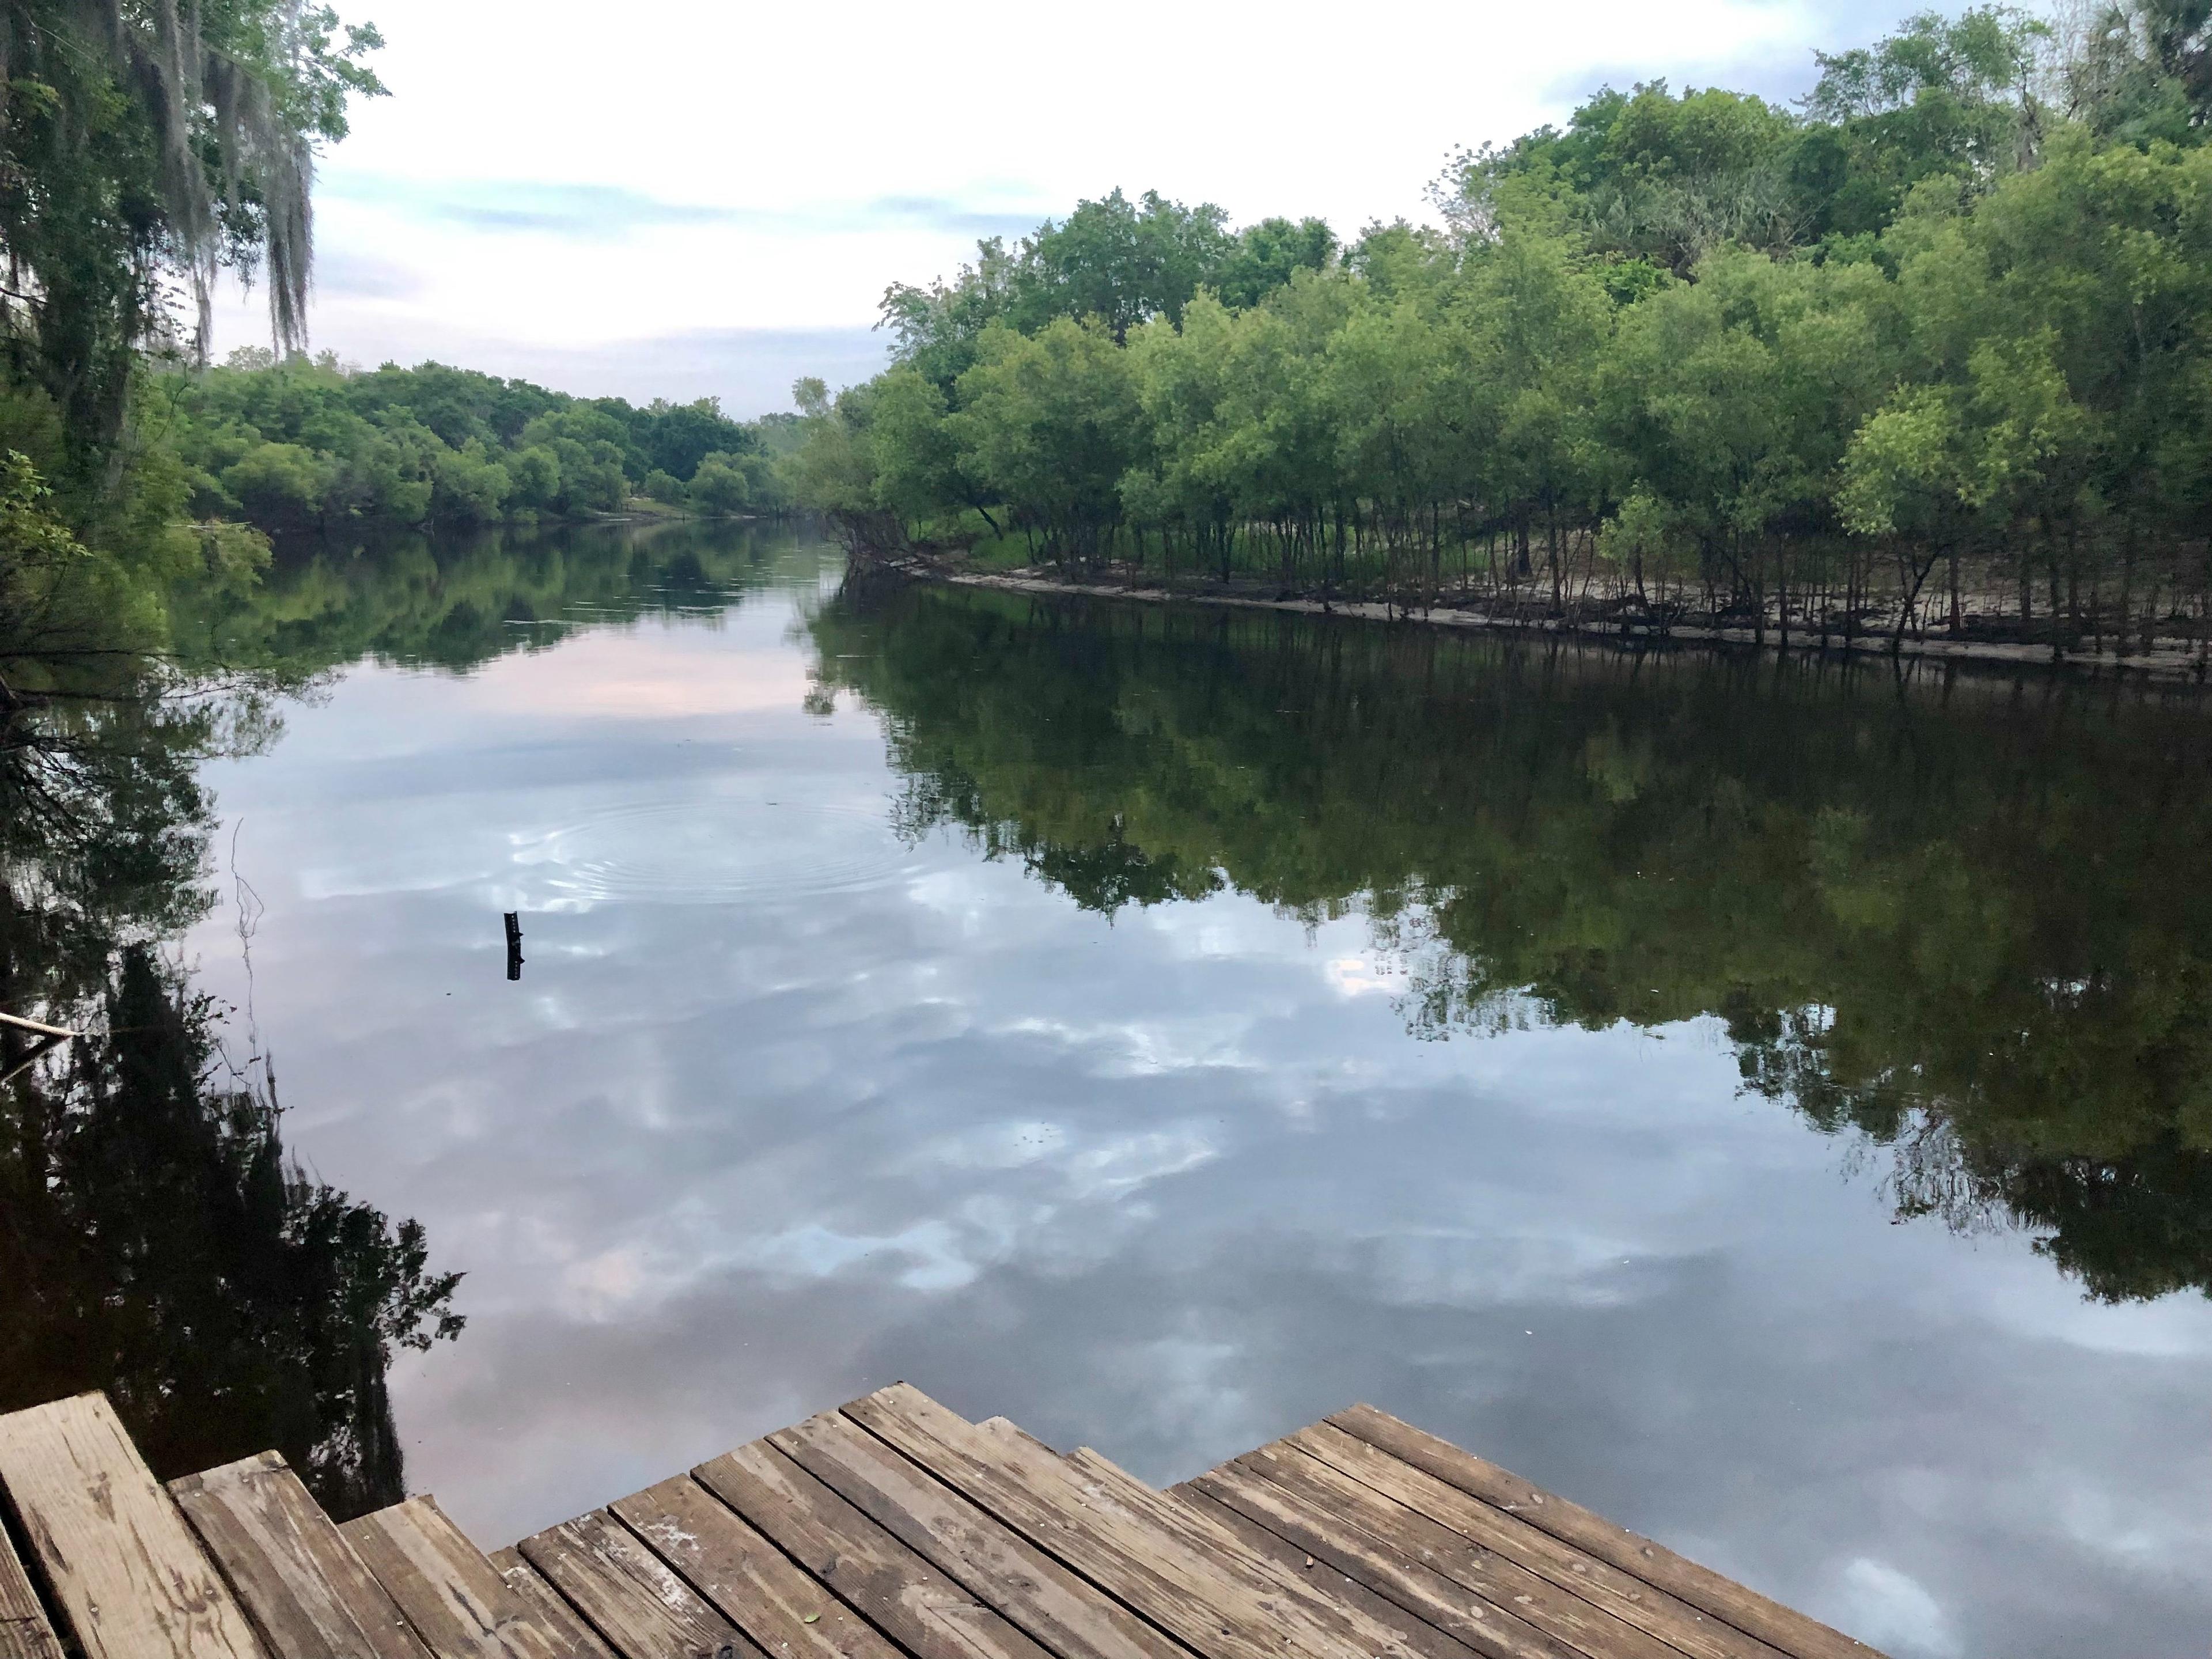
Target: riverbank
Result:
[2164, 660]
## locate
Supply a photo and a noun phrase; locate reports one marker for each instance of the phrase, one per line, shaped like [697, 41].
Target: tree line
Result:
[1932, 351]
[146, 150]
[301, 444]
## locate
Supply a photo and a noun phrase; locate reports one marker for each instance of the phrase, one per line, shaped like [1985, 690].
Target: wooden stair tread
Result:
[546, 1606]
[746, 1578]
[1420, 1637]
[633, 1598]
[890, 1529]
[457, 1600]
[303, 1586]
[1376, 1483]
[1781, 1627]
[25, 1631]
[1058, 1608]
[128, 1578]
[1486, 1602]
[913, 1603]
[1163, 1559]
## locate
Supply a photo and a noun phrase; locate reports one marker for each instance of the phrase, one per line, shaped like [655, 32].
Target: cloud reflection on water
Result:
[841, 1111]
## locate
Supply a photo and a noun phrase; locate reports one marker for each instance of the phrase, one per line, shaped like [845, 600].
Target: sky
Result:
[710, 200]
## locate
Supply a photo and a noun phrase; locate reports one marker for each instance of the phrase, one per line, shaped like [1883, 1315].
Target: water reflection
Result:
[1969, 918]
[458, 602]
[155, 1241]
[1024, 1000]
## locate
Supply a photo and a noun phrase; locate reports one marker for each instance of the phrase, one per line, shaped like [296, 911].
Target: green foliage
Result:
[146, 145]
[1053, 420]
[1112, 261]
[1688, 358]
[300, 445]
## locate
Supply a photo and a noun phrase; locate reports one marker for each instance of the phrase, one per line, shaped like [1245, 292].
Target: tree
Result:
[720, 484]
[149, 144]
[1053, 421]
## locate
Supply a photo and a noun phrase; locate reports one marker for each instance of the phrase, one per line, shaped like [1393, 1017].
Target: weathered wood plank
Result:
[745, 1576]
[455, 1598]
[982, 1554]
[546, 1606]
[1192, 1578]
[629, 1594]
[25, 1632]
[1696, 1632]
[1780, 1626]
[1413, 1561]
[125, 1571]
[916, 1605]
[1420, 1637]
[301, 1583]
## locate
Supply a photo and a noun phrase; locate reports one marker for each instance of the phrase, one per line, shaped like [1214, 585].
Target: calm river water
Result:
[1767, 1103]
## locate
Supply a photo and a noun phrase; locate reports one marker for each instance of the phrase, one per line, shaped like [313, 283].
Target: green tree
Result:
[150, 144]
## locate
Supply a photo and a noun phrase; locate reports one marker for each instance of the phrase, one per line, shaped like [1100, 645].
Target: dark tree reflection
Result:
[1967, 919]
[155, 1241]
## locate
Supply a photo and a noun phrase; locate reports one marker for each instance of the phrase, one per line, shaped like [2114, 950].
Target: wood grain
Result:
[546, 1606]
[629, 1594]
[127, 1576]
[910, 1600]
[745, 1576]
[1365, 1474]
[25, 1632]
[1194, 1579]
[1419, 1564]
[306, 1590]
[1420, 1636]
[455, 1599]
[1781, 1628]
[989, 1560]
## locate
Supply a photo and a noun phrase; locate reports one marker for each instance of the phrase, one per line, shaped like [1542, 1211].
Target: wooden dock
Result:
[890, 1529]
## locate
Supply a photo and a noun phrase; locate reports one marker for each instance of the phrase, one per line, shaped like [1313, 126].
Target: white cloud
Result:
[652, 208]
[1893, 1610]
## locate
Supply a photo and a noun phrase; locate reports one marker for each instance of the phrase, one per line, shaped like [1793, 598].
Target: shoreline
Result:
[2167, 661]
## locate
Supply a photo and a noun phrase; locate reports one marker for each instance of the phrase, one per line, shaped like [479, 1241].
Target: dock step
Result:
[457, 1602]
[1411, 1459]
[25, 1631]
[890, 1529]
[1056, 1606]
[546, 1606]
[1195, 1580]
[127, 1579]
[893, 1526]
[308, 1592]
[629, 1594]
[926, 1614]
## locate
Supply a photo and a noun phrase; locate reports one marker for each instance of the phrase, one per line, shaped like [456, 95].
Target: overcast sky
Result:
[709, 199]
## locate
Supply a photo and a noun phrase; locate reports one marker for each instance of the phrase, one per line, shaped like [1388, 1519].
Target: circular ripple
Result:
[715, 852]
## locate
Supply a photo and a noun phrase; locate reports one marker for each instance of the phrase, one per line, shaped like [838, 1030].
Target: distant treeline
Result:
[302, 443]
[1934, 349]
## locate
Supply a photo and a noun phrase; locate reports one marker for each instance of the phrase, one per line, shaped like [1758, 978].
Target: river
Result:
[1769, 1100]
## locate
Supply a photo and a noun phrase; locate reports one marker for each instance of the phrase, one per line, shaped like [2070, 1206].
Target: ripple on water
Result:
[716, 851]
